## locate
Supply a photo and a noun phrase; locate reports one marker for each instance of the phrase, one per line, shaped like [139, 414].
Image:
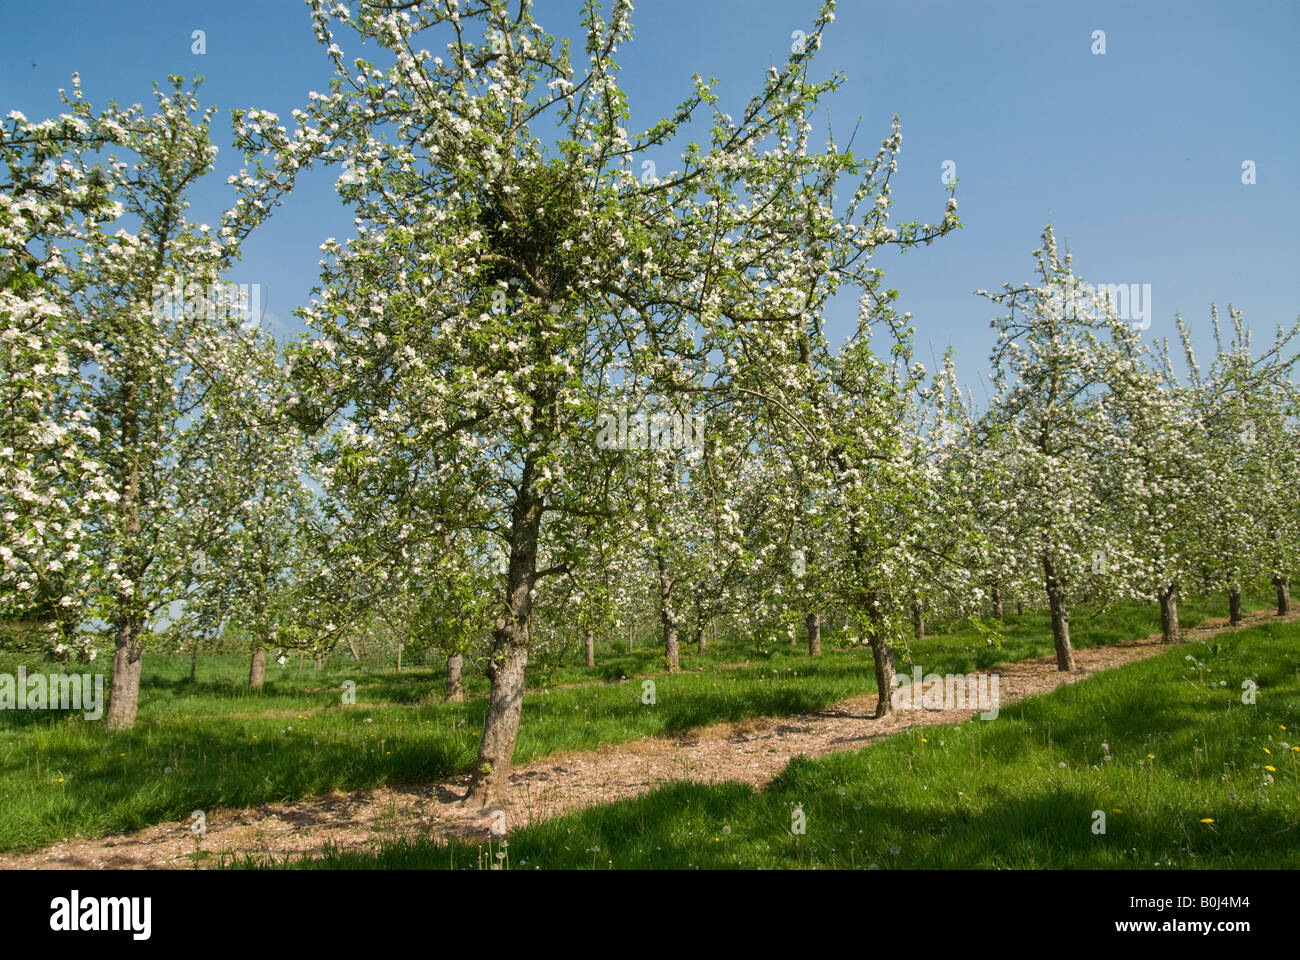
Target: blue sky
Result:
[1135, 155]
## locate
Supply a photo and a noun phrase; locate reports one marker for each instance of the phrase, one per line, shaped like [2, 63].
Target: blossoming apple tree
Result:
[135, 366]
[496, 273]
[1054, 364]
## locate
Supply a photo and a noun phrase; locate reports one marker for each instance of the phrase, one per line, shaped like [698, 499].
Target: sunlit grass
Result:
[214, 743]
[1185, 774]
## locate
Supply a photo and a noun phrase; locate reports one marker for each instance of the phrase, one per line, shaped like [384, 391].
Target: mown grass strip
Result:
[1185, 773]
[214, 744]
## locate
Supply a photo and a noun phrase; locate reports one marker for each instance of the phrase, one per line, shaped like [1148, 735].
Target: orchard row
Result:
[423, 456]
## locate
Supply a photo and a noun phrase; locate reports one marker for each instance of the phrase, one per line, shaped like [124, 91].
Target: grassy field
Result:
[214, 743]
[1185, 773]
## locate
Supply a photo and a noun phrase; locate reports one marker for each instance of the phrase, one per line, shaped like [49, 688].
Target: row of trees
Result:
[428, 458]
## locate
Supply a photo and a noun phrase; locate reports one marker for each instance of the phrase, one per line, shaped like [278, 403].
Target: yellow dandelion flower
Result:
[1117, 810]
[923, 740]
[1267, 750]
[1151, 756]
[1208, 820]
[1270, 769]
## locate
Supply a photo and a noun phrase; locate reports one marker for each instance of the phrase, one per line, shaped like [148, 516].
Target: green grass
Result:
[214, 743]
[1017, 792]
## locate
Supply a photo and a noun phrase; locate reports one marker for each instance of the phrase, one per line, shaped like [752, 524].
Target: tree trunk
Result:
[400, 648]
[666, 617]
[352, 648]
[884, 661]
[1283, 595]
[701, 639]
[194, 659]
[1169, 632]
[671, 647]
[128, 642]
[997, 604]
[301, 656]
[455, 667]
[1060, 617]
[589, 646]
[1020, 608]
[491, 781]
[318, 661]
[510, 636]
[1234, 605]
[918, 620]
[124, 693]
[814, 634]
[257, 672]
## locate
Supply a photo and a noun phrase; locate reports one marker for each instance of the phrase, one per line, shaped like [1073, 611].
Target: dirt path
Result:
[752, 751]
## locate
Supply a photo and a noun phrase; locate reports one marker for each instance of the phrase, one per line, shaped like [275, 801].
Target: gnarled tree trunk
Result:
[918, 620]
[124, 692]
[1234, 605]
[491, 780]
[1169, 632]
[257, 670]
[455, 669]
[589, 646]
[671, 646]
[884, 662]
[997, 603]
[510, 636]
[814, 634]
[1060, 616]
[701, 638]
[128, 640]
[1283, 595]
